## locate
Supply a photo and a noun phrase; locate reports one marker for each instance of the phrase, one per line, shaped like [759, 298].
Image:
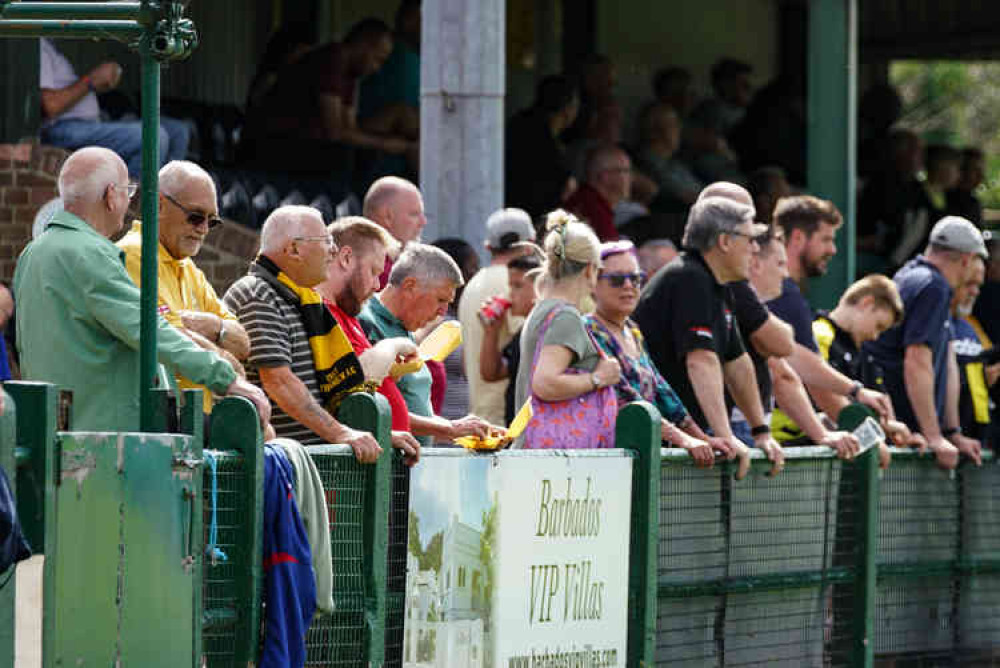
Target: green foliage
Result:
[957, 103]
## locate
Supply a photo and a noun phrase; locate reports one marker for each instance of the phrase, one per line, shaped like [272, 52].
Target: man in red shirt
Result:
[608, 181]
[361, 248]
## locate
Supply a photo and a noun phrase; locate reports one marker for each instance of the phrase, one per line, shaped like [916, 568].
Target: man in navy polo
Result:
[921, 373]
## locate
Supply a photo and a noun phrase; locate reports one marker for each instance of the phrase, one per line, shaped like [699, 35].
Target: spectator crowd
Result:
[673, 271]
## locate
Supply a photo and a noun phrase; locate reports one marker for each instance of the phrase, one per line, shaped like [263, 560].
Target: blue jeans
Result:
[741, 430]
[122, 137]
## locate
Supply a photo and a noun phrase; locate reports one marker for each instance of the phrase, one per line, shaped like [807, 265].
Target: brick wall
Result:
[28, 174]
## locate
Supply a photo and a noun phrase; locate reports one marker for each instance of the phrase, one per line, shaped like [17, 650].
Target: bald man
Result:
[188, 209]
[277, 304]
[78, 325]
[396, 205]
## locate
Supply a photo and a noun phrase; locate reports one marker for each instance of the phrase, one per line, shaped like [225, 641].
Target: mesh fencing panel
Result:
[223, 611]
[747, 569]
[399, 520]
[339, 639]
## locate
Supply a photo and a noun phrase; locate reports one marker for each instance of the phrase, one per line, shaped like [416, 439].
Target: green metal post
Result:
[92, 11]
[638, 430]
[150, 230]
[371, 413]
[55, 28]
[863, 636]
[832, 132]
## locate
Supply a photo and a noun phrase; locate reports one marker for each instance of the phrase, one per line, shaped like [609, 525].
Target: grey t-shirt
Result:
[566, 330]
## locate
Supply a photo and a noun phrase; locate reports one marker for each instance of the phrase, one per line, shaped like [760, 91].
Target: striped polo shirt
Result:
[277, 338]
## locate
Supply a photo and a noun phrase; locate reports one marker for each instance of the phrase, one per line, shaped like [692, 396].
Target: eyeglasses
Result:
[130, 188]
[617, 280]
[745, 235]
[195, 218]
[319, 237]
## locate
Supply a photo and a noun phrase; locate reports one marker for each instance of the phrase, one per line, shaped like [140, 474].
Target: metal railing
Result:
[832, 563]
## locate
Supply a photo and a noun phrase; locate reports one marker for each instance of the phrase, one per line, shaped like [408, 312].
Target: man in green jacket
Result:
[78, 310]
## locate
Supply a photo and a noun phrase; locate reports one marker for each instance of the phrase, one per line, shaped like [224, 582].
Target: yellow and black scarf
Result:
[338, 370]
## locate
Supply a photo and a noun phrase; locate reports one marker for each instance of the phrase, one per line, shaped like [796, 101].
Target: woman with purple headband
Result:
[616, 296]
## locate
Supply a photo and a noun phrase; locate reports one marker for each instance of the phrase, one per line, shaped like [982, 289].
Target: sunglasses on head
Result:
[617, 280]
[195, 218]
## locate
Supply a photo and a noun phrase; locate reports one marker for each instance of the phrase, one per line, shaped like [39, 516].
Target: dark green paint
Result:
[638, 430]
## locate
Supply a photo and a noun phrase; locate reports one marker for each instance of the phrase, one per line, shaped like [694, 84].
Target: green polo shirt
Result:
[379, 323]
[78, 327]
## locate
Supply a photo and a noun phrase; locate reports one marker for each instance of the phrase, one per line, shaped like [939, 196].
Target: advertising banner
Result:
[518, 559]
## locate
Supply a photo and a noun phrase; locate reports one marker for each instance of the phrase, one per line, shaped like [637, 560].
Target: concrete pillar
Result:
[832, 139]
[461, 116]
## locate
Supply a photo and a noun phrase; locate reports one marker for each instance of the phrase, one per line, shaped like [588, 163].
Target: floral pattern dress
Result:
[640, 380]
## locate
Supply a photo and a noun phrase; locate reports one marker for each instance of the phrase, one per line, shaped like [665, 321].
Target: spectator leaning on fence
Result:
[187, 210]
[767, 271]
[421, 286]
[298, 353]
[809, 225]
[616, 295]
[685, 315]
[361, 247]
[869, 307]
[977, 376]
[921, 373]
[572, 262]
[78, 317]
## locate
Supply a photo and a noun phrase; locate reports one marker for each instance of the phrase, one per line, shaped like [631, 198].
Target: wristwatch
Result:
[760, 430]
[856, 387]
[595, 381]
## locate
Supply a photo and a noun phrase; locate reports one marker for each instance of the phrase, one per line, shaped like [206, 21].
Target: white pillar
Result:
[461, 116]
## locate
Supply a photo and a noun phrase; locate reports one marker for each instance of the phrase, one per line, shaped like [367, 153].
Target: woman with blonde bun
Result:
[567, 364]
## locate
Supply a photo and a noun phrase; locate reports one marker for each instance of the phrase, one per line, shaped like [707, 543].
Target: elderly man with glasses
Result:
[188, 209]
[78, 317]
[299, 353]
[685, 314]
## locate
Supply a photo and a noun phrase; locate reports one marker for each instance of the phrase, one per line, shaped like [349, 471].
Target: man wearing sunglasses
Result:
[78, 324]
[187, 211]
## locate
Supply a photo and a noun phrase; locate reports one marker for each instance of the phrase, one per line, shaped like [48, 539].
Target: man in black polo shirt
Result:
[768, 339]
[686, 318]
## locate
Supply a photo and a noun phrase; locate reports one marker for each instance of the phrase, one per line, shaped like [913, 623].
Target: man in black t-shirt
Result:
[775, 378]
[685, 314]
[809, 225]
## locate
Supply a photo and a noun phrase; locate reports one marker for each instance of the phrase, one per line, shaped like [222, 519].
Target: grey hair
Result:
[80, 184]
[428, 264]
[711, 217]
[283, 224]
[177, 174]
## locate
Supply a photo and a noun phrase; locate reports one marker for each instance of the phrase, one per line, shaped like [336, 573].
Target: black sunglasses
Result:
[617, 280]
[195, 218]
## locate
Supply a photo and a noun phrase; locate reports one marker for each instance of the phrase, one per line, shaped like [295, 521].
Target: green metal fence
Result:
[830, 564]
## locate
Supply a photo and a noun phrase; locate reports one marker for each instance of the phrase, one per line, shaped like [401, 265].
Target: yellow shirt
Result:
[182, 287]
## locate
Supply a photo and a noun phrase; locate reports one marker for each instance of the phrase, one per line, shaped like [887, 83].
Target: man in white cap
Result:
[921, 372]
[505, 229]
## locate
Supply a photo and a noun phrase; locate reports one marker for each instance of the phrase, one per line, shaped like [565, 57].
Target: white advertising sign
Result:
[519, 560]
